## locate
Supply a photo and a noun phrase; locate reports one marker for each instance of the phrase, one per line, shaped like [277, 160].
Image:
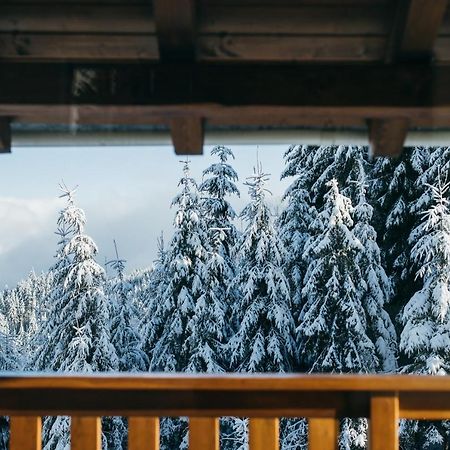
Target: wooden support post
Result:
[323, 433]
[384, 416]
[203, 433]
[143, 433]
[25, 433]
[387, 136]
[5, 135]
[264, 434]
[175, 27]
[86, 433]
[187, 135]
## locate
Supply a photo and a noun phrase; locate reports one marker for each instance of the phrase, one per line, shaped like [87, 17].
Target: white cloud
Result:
[24, 219]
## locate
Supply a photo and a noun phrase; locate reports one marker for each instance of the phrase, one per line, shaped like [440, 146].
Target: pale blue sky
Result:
[125, 192]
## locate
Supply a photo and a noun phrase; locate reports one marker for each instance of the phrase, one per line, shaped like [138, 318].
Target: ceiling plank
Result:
[5, 135]
[187, 135]
[175, 27]
[387, 136]
[414, 30]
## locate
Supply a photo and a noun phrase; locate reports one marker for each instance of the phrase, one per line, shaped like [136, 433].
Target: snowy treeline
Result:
[352, 276]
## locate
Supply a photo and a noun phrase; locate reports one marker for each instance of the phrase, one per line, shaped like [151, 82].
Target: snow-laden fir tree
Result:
[394, 192]
[124, 334]
[333, 331]
[9, 360]
[185, 268]
[264, 339]
[425, 338]
[77, 335]
[378, 288]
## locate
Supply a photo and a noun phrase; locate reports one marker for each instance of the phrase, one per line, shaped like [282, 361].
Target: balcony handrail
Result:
[263, 397]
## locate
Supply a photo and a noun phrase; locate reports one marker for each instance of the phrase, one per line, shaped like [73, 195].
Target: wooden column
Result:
[86, 433]
[323, 433]
[25, 433]
[5, 135]
[264, 434]
[187, 135]
[384, 416]
[143, 433]
[203, 433]
[387, 136]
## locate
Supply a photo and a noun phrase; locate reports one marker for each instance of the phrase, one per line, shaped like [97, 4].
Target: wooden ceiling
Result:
[187, 64]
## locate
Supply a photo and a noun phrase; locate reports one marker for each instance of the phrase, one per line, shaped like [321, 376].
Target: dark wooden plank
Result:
[77, 47]
[73, 18]
[270, 48]
[175, 25]
[296, 20]
[414, 29]
[187, 135]
[387, 136]
[5, 135]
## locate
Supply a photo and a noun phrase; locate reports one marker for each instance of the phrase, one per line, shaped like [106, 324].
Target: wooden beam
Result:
[175, 27]
[264, 434]
[85, 433]
[143, 433]
[204, 433]
[415, 29]
[387, 136]
[5, 135]
[187, 135]
[384, 416]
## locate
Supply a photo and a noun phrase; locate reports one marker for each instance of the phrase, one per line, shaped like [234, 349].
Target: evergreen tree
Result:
[426, 317]
[333, 332]
[124, 334]
[264, 340]
[378, 288]
[77, 337]
[185, 269]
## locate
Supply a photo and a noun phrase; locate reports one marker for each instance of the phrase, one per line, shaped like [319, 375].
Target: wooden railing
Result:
[203, 398]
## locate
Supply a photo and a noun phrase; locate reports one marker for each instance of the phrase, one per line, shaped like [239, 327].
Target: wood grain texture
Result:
[187, 135]
[143, 433]
[5, 135]
[269, 48]
[387, 136]
[76, 18]
[77, 47]
[85, 433]
[264, 434]
[323, 433]
[25, 433]
[384, 417]
[204, 433]
[293, 19]
[176, 29]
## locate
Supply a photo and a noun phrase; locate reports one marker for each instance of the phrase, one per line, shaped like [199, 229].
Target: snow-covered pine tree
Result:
[378, 292]
[426, 317]
[9, 360]
[185, 268]
[79, 338]
[264, 340]
[333, 332]
[394, 192]
[124, 334]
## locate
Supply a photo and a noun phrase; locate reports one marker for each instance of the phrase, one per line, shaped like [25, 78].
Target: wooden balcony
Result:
[323, 399]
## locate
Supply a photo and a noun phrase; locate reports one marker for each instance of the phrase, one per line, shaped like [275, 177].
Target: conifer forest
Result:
[350, 275]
